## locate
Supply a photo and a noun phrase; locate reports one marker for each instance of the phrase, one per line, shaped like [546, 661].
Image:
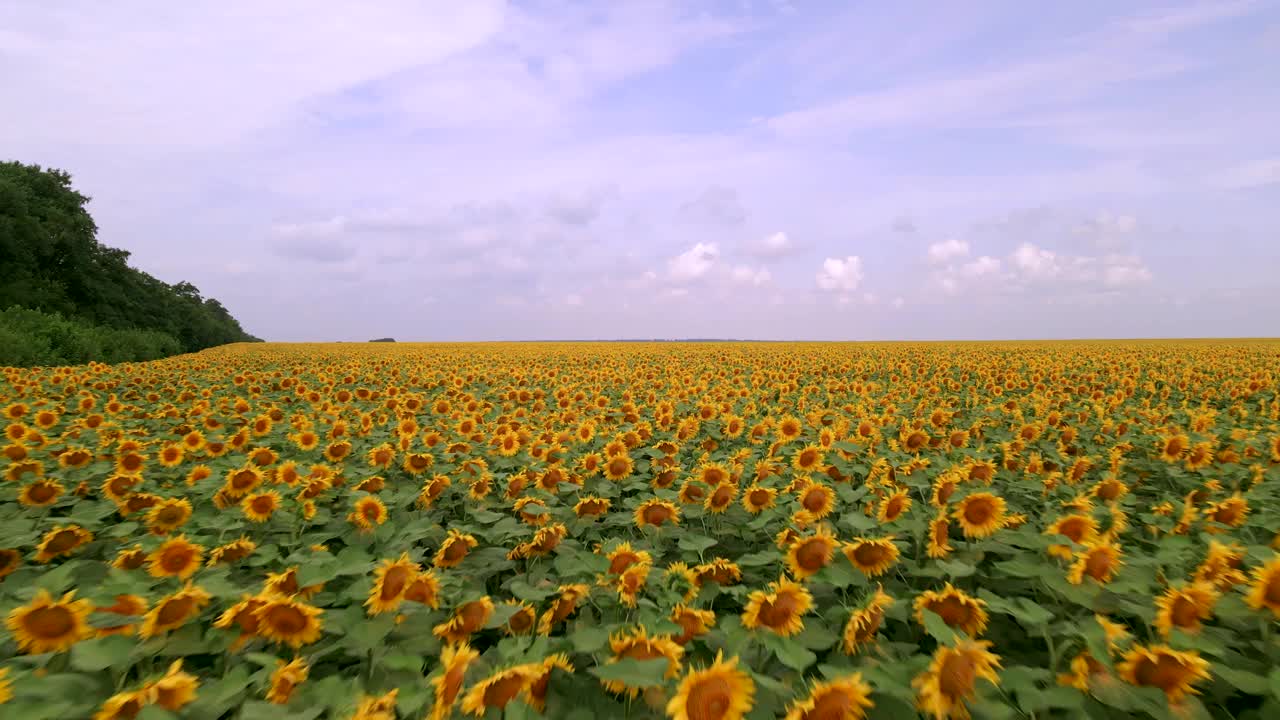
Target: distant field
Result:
[594, 530]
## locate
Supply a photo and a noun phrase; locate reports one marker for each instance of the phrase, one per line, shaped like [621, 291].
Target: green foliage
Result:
[96, 307]
[30, 337]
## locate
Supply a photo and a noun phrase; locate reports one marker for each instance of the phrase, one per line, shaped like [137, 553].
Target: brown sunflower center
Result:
[870, 554]
[778, 610]
[286, 619]
[176, 559]
[657, 514]
[42, 492]
[722, 496]
[455, 551]
[953, 610]
[175, 610]
[63, 541]
[394, 582]
[957, 675]
[1271, 595]
[1099, 564]
[503, 690]
[1183, 612]
[622, 561]
[813, 554]
[49, 622]
[832, 704]
[1164, 672]
[979, 512]
[815, 500]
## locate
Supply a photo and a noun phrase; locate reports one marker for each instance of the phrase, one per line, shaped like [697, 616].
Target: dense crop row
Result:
[697, 531]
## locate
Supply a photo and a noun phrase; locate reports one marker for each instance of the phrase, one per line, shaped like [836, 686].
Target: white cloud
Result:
[985, 265]
[838, 274]
[898, 302]
[746, 275]
[1035, 261]
[694, 262]
[573, 299]
[776, 245]
[319, 229]
[950, 249]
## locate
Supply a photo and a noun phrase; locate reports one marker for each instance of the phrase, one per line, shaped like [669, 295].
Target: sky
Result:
[761, 169]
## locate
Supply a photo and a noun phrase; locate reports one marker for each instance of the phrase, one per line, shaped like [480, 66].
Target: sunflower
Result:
[6, 686]
[758, 498]
[391, 581]
[562, 607]
[682, 578]
[126, 606]
[1172, 448]
[123, 705]
[780, 610]
[168, 515]
[497, 690]
[722, 691]
[980, 514]
[454, 661]
[817, 500]
[1184, 607]
[1080, 529]
[543, 542]
[417, 463]
[285, 678]
[893, 506]
[808, 459]
[1232, 512]
[242, 616]
[285, 583]
[377, 707]
[47, 625]
[234, 551]
[694, 623]
[872, 557]
[174, 610]
[720, 571]
[808, 555]
[10, 560]
[639, 645]
[865, 622]
[956, 608]
[1099, 560]
[62, 540]
[368, 513]
[242, 481]
[657, 513]
[42, 492]
[522, 620]
[258, 507]
[176, 557]
[424, 589]
[468, 619]
[721, 497]
[1264, 591]
[454, 549]
[1084, 669]
[176, 689]
[592, 506]
[939, 536]
[130, 558]
[1172, 671]
[535, 693]
[845, 698]
[619, 467]
[289, 621]
[631, 582]
[624, 556]
[952, 678]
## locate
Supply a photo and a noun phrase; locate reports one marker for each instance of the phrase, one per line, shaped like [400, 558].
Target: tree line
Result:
[66, 298]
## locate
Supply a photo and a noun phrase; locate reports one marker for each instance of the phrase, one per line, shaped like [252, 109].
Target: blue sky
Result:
[766, 169]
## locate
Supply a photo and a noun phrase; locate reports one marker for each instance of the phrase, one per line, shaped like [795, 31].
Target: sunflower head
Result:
[1174, 672]
[722, 691]
[639, 645]
[873, 557]
[847, 698]
[50, 625]
[952, 678]
[779, 610]
[957, 609]
[808, 555]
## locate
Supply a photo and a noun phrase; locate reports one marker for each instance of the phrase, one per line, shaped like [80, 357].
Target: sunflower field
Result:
[693, 531]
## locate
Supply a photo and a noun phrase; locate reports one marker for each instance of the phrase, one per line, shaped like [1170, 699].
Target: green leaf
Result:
[318, 570]
[794, 655]
[102, 653]
[589, 639]
[938, 629]
[696, 543]
[1242, 680]
[635, 673]
[1274, 681]
[956, 569]
[525, 591]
